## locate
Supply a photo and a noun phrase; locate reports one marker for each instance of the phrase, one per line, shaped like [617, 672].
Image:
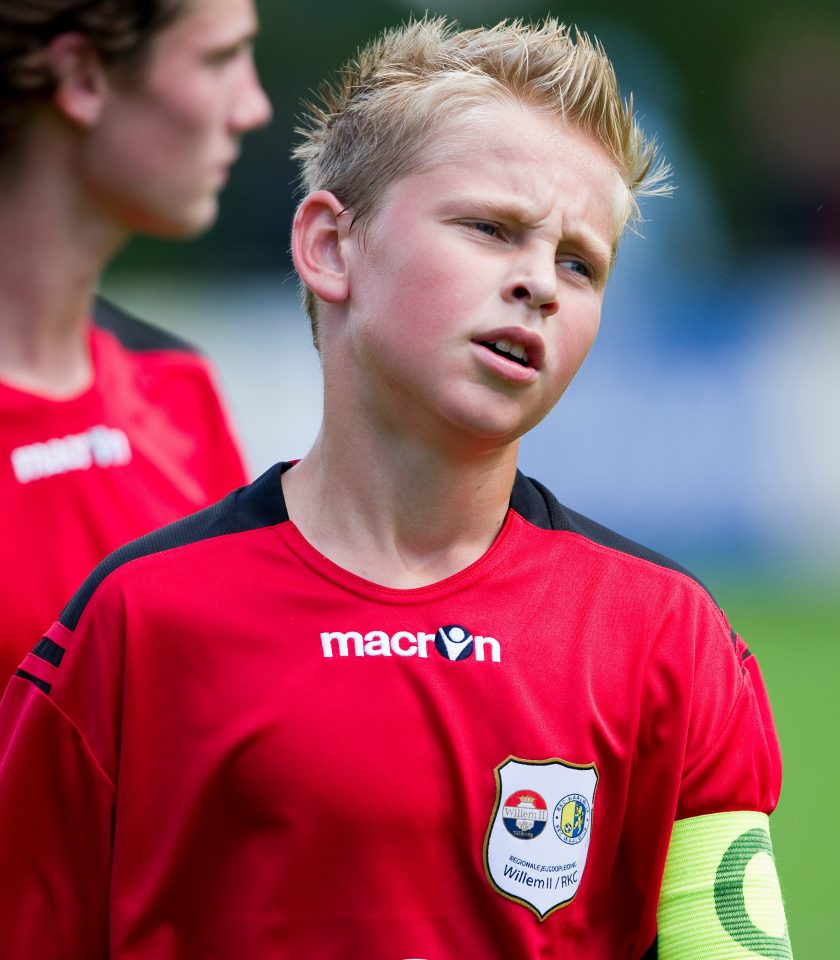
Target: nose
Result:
[251, 108]
[534, 282]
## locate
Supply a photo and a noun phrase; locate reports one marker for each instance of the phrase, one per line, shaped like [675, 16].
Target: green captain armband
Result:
[720, 896]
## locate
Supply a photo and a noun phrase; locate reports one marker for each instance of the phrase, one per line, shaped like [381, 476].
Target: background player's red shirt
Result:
[145, 444]
[231, 747]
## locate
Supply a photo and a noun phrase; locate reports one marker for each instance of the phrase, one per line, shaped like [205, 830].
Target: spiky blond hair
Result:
[384, 115]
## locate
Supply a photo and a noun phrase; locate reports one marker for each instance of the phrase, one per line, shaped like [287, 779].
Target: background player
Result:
[116, 116]
[395, 700]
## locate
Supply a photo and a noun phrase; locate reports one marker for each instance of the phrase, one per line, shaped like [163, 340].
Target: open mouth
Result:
[509, 350]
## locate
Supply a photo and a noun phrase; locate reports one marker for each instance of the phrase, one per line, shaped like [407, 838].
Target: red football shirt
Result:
[230, 747]
[147, 443]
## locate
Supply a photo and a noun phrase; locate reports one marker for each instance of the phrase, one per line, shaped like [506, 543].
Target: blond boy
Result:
[394, 700]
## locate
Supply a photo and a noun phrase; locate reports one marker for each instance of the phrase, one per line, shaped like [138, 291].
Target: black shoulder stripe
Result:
[538, 505]
[49, 651]
[258, 505]
[135, 334]
[39, 683]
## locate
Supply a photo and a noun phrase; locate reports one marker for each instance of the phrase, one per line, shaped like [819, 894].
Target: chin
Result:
[497, 422]
[490, 433]
[186, 223]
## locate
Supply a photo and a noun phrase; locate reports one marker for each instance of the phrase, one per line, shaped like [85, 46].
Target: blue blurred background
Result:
[706, 422]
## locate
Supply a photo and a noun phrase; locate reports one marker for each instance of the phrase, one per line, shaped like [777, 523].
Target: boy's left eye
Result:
[575, 266]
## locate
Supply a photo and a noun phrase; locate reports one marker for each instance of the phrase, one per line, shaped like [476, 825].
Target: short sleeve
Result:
[55, 831]
[733, 759]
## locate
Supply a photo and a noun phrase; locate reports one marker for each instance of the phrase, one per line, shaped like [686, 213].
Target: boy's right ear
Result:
[81, 81]
[320, 228]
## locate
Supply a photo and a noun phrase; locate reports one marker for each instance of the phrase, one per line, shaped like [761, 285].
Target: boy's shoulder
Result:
[252, 507]
[534, 502]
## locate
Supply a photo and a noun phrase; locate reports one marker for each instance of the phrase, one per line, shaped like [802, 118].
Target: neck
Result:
[52, 250]
[396, 513]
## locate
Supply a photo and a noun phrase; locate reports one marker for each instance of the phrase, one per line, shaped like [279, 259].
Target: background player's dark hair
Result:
[120, 30]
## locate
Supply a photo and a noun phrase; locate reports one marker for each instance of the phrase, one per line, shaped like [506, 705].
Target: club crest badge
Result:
[538, 839]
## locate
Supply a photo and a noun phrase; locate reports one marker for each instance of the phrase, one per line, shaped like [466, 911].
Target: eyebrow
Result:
[595, 248]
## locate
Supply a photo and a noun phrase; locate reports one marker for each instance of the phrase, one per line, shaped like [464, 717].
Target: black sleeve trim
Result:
[39, 683]
[135, 334]
[652, 951]
[538, 505]
[258, 505]
[49, 651]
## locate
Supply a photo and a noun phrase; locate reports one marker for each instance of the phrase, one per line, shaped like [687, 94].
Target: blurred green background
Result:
[706, 422]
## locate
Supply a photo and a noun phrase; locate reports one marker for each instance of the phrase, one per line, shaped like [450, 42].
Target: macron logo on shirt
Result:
[100, 447]
[452, 642]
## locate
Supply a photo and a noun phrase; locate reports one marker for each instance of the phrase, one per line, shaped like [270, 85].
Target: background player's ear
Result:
[81, 81]
[320, 229]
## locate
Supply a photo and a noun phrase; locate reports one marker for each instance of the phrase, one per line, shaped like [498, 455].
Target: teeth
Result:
[514, 349]
[519, 352]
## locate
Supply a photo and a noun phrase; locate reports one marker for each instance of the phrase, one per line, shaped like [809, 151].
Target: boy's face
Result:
[476, 292]
[166, 140]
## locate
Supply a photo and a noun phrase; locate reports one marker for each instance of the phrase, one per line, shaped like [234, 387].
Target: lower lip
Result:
[503, 368]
